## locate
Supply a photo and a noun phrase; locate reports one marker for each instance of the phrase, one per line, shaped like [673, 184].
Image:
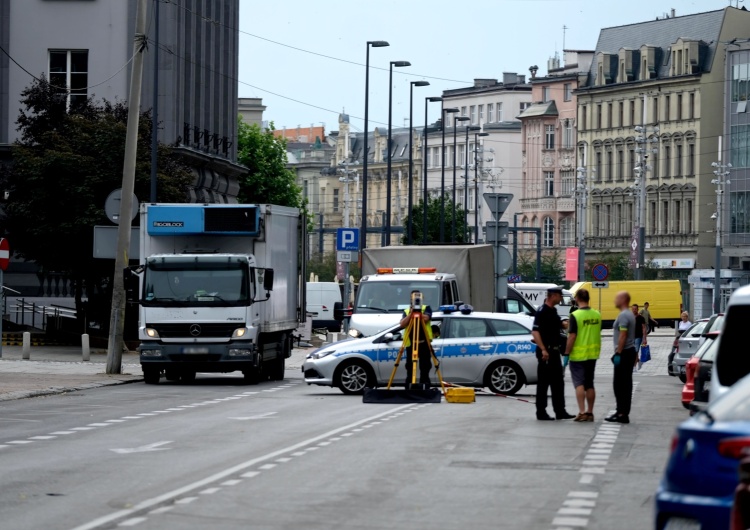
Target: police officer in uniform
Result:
[547, 332]
[425, 338]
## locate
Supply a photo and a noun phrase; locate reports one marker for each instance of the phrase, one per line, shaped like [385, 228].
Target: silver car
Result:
[492, 350]
[688, 343]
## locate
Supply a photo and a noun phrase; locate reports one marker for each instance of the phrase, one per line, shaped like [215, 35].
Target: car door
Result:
[692, 340]
[515, 344]
[465, 345]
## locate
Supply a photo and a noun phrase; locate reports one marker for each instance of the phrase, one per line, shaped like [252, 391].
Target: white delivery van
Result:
[536, 293]
[321, 300]
[732, 361]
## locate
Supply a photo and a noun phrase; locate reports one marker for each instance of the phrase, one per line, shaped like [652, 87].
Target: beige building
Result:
[678, 65]
[251, 110]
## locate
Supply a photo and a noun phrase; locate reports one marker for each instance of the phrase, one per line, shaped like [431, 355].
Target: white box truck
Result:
[221, 289]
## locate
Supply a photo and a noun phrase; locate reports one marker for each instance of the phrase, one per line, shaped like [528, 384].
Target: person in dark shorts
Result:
[583, 348]
[624, 359]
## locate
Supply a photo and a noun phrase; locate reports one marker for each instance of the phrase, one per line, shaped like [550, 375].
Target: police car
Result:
[493, 350]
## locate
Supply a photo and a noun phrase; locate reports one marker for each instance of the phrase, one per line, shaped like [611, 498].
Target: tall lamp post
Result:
[374, 44]
[467, 232]
[456, 121]
[451, 110]
[425, 198]
[387, 227]
[412, 84]
[476, 183]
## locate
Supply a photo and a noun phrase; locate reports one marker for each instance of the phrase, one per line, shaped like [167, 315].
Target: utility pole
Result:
[641, 171]
[346, 180]
[582, 192]
[117, 317]
[155, 108]
[722, 173]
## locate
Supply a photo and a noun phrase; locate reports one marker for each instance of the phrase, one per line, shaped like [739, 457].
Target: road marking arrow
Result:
[143, 449]
[265, 416]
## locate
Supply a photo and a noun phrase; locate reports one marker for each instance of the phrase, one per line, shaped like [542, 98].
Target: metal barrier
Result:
[24, 311]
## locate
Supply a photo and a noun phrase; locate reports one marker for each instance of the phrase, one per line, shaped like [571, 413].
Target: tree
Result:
[553, 266]
[433, 222]
[65, 163]
[324, 266]
[617, 263]
[268, 180]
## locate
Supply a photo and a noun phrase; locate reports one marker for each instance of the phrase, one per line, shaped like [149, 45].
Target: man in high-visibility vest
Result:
[584, 346]
[425, 338]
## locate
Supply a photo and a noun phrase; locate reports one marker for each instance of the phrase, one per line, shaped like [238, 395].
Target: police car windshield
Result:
[393, 296]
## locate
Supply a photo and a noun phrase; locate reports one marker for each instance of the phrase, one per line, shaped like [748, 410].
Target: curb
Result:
[23, 394]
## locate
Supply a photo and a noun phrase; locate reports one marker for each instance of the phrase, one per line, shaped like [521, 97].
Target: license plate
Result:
[194, 350]
[679, 523]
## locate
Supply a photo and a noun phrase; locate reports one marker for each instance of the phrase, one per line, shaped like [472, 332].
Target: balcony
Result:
[549, 204]
[655, 242]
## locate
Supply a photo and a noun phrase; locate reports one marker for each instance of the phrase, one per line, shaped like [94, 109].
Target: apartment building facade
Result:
[549, 139]
[671, 71]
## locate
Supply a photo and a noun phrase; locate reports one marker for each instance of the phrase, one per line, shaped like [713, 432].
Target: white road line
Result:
[348, 434]
[584, 494]
[154, 501]
[20, 442]
[323, 444]
[592, 470]
[130, 418]
[266, 467]
[115, 421]
[579, 503]
[132, 522]
[163, 509]
[99, 424]
[596, 456]
[283, 460]
[570, 521]
[209, 491]
[299, 453]
[232, 482]
[83, 428]
[60, 433]
[574, 511]
[250, 474]
[586, 479]
[186, 500]
[42, 437]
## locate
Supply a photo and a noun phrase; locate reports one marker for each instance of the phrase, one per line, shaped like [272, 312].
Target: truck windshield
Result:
[394, 296]
[191, 284]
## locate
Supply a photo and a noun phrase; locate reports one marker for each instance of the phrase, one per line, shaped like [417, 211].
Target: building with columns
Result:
[549, 137]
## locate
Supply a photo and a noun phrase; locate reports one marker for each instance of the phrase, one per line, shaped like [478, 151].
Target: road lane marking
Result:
[19, 442]
[584, 494]
[132, 522]
[266, 467]
[569, 521]
[586, 479]
[232, 482]
[283, 460]
[250, 474]
[157, 446]
[209, 491]
[42, 437]
[232, 471]
[574, 511]
[163, 509]
[185, 500]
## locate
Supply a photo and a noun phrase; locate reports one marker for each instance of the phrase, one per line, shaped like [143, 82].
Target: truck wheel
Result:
[172, 375]
[353, 377]
[278, 365]
[187, 377]
[252, 377]
[151, 376]
[504, 377]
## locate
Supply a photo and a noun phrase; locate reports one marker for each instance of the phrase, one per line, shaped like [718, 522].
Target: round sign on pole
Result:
[112, 206]
[4, 254]
[600, 272]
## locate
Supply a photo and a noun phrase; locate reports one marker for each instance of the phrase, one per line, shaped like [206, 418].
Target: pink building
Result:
[548, 133]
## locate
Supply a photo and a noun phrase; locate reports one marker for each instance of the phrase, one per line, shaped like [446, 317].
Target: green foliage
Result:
[325, 267]
[433, 222]
[552, 270]
[65, 164]
[619, 267]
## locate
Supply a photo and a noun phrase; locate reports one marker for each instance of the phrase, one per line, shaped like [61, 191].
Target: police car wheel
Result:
[504, 378]
[353, 377]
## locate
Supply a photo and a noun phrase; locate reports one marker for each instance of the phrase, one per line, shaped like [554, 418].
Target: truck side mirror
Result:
[268, 280]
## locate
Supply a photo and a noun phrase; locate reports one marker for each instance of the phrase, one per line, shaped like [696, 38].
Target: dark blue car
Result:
[698, 486]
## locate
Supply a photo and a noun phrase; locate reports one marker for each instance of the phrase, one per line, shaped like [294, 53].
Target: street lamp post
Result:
[374, 44]
[425, 198]
[467, 232]
[456, 121]
[387, 227]
[442, 172]
[412, 84]
[476, 184]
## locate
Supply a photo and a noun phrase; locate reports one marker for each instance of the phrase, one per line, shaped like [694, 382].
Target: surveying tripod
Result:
[416, 328]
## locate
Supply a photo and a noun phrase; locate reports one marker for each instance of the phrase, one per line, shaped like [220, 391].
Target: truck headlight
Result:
[151, 353]
[320, 355]
[240, 352]
[152, 333]
[239, 333]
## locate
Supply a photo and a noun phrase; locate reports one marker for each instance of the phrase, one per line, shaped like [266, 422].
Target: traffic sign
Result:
[503, 260]
[515, 278]
[600, 272]
[4, 254]
[497, 232]
[345, 256]
[347, 239]
[498, 203]
[600, 285]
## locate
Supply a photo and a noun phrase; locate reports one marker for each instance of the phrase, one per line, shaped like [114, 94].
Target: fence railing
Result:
[24, 313]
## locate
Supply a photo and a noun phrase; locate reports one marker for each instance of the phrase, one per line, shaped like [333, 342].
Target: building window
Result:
[610, 164]
[691, 108]
[667, 161]
[621, 114]
[739, 216]
[632, 113]
[584, 118]
[548, 240]
[305, 189]
[656, 110]
[597, 220]
[618, 219]
[740, 146]
[689, 217]
[567, 134]
[335, 200]
[499, 112]
[524, 105]
[679, 106]
[607, 220]
[481, 114]
[567, 181]
[567, 92]
[599, 116]
[691, 160]
[677, 226]
[667, 105]
[490, 112]
[70, 69]
[462, 155]
[609, 116]
[549, 183]
[665, 217]
[631, 162]
[549, 136]
[652, 216]
[567, 232]
[545, 94]
[463, 111]
[598, 168]
[620, 163]
[628, 218]
[471, 199]
[678, 160]
[473, 114]
[655, 166]
[435, 157]
[740, 78]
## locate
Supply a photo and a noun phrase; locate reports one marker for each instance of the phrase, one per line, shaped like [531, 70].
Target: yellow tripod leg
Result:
[398, 357]
[415, 347]
[435, 360]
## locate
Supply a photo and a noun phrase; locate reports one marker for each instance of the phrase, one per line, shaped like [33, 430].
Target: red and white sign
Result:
[571, 264]
[4, 254]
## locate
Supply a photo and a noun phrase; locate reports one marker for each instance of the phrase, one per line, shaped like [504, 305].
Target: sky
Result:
[446, 39]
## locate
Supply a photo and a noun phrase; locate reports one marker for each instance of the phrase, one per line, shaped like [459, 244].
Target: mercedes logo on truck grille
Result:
[195, 330]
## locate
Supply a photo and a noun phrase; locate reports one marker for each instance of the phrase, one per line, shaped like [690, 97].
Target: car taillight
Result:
[735, 447]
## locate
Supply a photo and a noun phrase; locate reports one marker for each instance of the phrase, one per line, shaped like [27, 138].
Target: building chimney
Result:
[481, 82]
[533, 70]
[672, 13]
[521, 79]
[510, 78]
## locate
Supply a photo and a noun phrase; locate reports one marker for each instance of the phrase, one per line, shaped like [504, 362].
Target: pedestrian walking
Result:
[684, 323]
[651, 324]
[623, 333]
[641, 334]
[584, 347]
[547, 333]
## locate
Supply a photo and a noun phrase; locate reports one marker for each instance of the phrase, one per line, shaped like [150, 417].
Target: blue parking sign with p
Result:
[347, 239]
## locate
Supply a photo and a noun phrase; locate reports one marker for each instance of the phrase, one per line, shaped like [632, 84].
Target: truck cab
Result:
[382, 297]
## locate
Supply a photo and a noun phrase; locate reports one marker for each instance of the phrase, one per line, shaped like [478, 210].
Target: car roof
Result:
[741, 296]
[516, 317]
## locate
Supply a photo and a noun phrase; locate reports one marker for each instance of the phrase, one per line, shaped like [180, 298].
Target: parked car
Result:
[691, 371]
[492, 350]
[697, 489]
[732, 361]
[670, 359]
[687, 344]
[705, 357]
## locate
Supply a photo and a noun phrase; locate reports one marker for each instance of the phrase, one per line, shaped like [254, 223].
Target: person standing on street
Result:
[547, 332]
[641, 333]
[623, 333]
[424, 349]
[646, 314]
[584, 346]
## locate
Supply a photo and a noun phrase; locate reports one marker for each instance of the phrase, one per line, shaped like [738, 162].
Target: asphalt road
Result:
[218, 454]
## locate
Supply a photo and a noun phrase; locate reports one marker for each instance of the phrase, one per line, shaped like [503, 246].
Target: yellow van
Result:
[664, 298]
